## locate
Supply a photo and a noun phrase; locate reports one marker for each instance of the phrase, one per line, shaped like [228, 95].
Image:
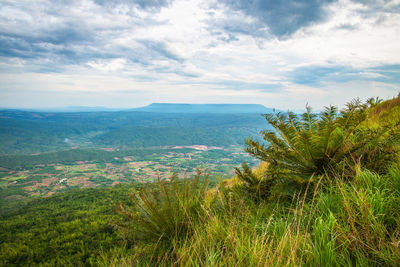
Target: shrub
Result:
[302, 149]
[165, 210]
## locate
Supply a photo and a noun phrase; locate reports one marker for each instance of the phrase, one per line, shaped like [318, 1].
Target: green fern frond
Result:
[302, 147]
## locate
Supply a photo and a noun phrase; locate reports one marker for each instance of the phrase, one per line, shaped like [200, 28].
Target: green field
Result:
[52, 176]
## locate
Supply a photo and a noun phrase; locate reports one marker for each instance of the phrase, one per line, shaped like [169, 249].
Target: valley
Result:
[45, 175]
[30, 132]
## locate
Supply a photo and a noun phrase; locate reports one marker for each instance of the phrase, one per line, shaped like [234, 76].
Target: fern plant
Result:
[304, 147]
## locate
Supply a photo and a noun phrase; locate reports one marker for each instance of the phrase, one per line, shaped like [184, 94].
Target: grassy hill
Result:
[327, 193]
[287, 211]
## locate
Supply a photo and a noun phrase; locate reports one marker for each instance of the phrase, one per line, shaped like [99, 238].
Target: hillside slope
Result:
[340, 219]
[69, 229]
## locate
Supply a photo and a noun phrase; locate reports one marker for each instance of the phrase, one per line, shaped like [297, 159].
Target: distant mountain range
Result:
[66, 109]
[166, 108]
[204, 108]
[27, 132]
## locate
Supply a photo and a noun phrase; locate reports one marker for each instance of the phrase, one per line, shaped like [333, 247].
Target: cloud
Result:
[243, 86]
[142, 4]
[372, 7]
[317, 75]
[156, 49]
[387, 73]
[86, 32]
[281, 18]
[270, 52]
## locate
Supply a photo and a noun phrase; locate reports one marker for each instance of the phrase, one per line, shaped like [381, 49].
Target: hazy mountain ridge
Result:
[205, 108]
[156, 107]
[24, 132]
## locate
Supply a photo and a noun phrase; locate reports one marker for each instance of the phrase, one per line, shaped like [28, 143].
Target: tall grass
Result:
[347, 212]
[344, 224]
[164, 212]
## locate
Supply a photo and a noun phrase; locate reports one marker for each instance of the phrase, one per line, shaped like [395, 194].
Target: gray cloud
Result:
[227, 30]
[51, 38]
[122, 45]
[378, 9]
[282, 18]
[389, 73]
[143, 4]
[14, 47]
[348, 27]
[239, 85]
[316, 75]
[373, 6]
[157, 49]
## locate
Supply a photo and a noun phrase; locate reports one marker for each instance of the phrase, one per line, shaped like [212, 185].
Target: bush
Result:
[303, 149]
[166, 210]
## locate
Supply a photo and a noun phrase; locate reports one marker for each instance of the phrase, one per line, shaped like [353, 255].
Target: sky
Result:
[130, 53]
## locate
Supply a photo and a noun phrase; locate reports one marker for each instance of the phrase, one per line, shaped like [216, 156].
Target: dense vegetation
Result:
[23, 176]
[309, 147]
[23, 132]
[327, 193]
[73, 155]
[76, 227]
[68, 229]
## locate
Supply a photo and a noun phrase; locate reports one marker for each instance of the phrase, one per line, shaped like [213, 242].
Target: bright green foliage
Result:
[166, 210]
[253, 183]
[366, 214]
[349, 218]
[67, 229]
[303, 148]
[345, 224]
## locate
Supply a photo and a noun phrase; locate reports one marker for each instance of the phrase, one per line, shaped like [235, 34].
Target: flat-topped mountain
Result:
[204, 108]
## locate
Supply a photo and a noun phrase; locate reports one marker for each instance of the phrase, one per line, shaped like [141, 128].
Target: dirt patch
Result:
[14, 197]
[46, 182]
[87, 183]
[87, 166]
[80, 181]
[58, 187]
[29, 188]
[107, 149]
[138, 164]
